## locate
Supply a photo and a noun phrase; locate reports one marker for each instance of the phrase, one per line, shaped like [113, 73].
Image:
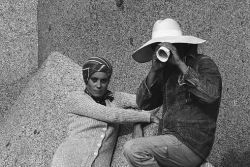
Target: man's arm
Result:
[206, 82]
[149, 94]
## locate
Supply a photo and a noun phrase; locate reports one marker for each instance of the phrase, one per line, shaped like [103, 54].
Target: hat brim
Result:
[145, 52]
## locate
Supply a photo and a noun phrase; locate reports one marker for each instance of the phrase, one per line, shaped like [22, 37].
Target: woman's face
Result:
[98, 84]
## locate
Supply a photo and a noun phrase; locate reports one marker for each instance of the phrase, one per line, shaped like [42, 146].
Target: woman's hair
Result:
[96, 64]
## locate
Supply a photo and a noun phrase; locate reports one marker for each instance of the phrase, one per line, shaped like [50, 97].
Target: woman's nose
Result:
[98, 84]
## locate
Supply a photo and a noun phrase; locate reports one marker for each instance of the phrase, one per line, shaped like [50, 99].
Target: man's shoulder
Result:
[206, 62]
[203, 58]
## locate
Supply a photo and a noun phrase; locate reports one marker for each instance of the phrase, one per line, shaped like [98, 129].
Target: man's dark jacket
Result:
[190, 102]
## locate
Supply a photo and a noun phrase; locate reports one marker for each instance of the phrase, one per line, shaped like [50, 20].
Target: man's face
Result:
[98, 84]
[182, 48]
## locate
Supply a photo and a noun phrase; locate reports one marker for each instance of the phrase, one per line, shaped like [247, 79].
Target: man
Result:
[188, 86]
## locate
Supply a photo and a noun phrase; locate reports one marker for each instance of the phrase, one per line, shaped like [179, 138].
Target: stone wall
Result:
[37, 125]
[18, 48]
[114, 29]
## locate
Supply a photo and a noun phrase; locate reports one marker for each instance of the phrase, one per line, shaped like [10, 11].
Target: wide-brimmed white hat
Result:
[167, 30]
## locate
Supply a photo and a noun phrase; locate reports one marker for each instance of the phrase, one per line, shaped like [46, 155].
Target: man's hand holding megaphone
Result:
[167, 52]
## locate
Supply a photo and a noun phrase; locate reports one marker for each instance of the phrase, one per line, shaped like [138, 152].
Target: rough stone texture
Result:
[18, 48]
[114, 29]
[38, 124]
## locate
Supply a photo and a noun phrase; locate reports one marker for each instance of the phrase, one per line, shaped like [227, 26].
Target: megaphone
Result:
[163, 54]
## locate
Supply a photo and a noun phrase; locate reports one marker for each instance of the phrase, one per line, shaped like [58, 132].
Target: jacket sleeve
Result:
[149, 98]
[205, 82]
[79, 103]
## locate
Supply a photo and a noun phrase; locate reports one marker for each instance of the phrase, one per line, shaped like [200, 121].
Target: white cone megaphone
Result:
[163, 54]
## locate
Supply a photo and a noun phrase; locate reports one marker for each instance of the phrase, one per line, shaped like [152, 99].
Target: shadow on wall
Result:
[234, 159]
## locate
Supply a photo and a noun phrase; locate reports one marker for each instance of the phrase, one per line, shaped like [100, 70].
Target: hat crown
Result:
[166, 27]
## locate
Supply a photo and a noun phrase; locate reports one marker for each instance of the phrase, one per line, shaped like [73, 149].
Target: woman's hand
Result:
[152, 112]
[154, 119]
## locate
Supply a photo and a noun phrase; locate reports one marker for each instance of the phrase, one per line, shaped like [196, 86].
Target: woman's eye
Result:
[94, 79]
[104, 81]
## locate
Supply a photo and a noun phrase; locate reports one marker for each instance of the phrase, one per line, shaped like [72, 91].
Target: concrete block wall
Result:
[37, 125]
[114, 29]
[18, 48]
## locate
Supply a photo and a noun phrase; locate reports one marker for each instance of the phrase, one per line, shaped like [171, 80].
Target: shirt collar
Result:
[101, 100]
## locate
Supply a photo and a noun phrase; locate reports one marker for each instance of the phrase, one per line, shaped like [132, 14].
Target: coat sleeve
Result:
[81, 104]
[204, 82]
[149, 98]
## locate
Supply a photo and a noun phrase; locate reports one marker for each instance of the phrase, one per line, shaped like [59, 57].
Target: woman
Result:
[95, 115]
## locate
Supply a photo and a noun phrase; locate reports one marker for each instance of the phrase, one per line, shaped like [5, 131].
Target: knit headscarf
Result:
[96, 64]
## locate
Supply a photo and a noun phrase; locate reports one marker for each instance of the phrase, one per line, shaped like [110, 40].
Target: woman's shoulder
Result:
[123, 99]
[118, 94]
